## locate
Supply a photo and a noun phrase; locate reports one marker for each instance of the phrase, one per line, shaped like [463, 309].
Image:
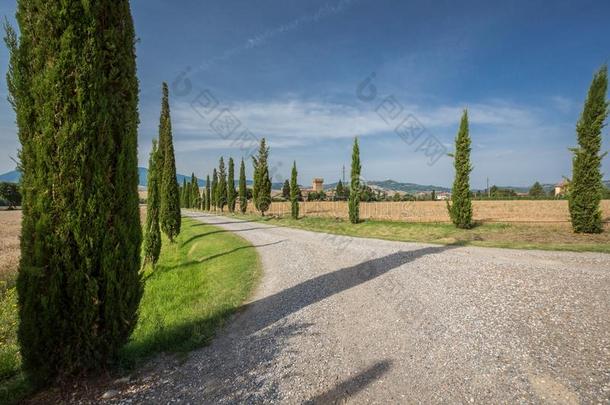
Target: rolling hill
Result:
[385, 185]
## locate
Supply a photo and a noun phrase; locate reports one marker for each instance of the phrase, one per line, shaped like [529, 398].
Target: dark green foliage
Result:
[214, 189]
[243, 193]
[79, 284]
[221, 191]
[187, 195]
[194, 197]
[316, 196]
[183, 194]
[354, 195]
[262, 181]
[460, 209]
[152, 232]
[340, 191]
[202, 200]
[294, 192]
[586, 187]
[170, 204]
[9, 192]
[537, 191]
[286, 189]
[208, 195]
[231, 194]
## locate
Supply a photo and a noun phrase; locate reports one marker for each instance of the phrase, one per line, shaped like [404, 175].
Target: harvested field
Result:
[10, 223]
[507, 211]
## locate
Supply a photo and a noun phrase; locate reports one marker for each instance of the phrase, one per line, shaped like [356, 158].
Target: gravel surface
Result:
[337, 319]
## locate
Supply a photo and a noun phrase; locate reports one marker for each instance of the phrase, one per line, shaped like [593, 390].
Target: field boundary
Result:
[488, 211]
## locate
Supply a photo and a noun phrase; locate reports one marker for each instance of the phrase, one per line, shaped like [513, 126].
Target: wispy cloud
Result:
[297, 122]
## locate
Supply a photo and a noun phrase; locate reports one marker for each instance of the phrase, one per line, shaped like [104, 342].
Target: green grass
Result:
[198, 282]
[514, 236]
[13, 384]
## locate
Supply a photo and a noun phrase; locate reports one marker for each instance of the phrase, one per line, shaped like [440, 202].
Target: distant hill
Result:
[11, 177]
[386, 185]
[393, 186]
[143, 172]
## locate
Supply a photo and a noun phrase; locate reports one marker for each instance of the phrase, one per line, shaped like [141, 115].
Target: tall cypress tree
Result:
[214, 190]
[203, 200]
[262, 180]
[339, 191]
[586, 188]
[221, 191]
[231, 186]
[208, 196]
[152, 232]
[193, 191]
[72, 83]
[187, 195]
[460, 209]
[243, 191]
[294, 192]
[183, 194]
[170, 204]
[354, 194]
[255, 181]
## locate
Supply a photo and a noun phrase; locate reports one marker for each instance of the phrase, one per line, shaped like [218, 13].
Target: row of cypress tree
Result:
[163, 207]
[221, 192]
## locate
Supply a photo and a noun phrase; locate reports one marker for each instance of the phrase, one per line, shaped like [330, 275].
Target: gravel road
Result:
[338, 319]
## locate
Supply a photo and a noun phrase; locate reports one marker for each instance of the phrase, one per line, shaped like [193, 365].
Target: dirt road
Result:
[338, 319]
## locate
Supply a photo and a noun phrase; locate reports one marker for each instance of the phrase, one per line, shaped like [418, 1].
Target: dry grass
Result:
[504, 211]
[10, 223]
[548, 236]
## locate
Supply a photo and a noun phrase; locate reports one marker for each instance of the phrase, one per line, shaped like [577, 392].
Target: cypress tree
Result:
[354, 195]
[221, 191]
[286, 189]
[187, 195]
[243, 192]
[203, 199]
[262, 180]
[170, 204]
[73, 85]
[231, 186]
[152, 232]
[255, 182]
[214, 189]
[183, 194]
[460, 209]
[339, 191]
[586, 187]
[193, 191]
[294, 192]
[208, 197]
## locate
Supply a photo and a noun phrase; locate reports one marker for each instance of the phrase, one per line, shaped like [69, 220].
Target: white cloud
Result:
[296, 122]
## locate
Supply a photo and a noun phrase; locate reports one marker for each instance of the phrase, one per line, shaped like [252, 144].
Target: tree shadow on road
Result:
[342, 391]
[270, 309]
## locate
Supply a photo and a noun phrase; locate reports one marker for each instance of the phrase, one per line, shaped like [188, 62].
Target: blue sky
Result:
[290, 70]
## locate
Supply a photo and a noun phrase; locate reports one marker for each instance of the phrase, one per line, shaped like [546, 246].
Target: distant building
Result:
[561, 188]
[443, 195]
[317, 185]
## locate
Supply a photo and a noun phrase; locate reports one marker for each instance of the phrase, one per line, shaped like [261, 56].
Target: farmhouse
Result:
[561, 188]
